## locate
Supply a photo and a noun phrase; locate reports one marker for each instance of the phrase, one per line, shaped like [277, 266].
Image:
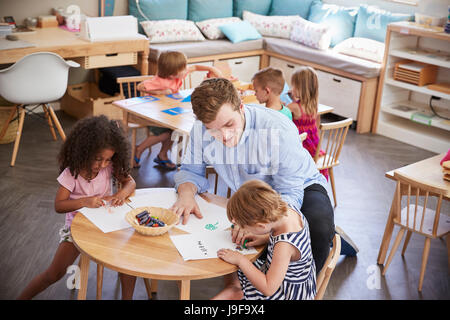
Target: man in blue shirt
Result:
[251, 142]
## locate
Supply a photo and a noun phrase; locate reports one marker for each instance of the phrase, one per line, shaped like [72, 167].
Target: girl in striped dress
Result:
[288, 271]
[305, 94]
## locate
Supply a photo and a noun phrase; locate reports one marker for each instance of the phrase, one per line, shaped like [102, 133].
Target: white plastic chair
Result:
[36, 79]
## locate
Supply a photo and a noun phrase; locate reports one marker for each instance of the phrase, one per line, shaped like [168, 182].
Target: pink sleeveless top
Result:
[307, 123]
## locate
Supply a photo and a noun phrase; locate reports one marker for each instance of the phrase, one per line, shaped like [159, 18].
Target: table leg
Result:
[384, 246]
[84, 274]
[185, 289]
[99, 281]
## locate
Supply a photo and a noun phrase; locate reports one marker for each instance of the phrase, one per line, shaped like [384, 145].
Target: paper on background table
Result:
[108, 219]
[205, 245]
[214, 217]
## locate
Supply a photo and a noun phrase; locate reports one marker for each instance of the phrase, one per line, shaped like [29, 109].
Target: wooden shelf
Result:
[441, 59]
[412, 87]
[415, 110]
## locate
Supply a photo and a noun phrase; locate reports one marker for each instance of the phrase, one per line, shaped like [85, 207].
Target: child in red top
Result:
[305, 94]
[172, 70]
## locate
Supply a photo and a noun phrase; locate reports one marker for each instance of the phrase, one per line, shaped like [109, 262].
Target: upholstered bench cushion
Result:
[328, 57]
[204, 48]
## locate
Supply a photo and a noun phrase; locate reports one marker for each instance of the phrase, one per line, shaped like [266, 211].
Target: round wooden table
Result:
[149, 257]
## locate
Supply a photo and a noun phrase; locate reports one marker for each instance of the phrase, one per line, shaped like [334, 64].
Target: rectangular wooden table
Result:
[428, 171]
[69, 45]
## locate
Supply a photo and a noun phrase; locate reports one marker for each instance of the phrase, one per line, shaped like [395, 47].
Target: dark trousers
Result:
[319, 212]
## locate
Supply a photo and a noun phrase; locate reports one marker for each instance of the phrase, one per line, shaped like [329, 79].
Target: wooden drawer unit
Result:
[244, 68]
[195, 78]
[341, 93]
[287, 67]
[108, 60]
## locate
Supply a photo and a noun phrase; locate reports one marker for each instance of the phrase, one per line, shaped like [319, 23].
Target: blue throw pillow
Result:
[200, 10]
[340, 19]
[240, 31]
[255, 6]
[372, 22]
[290, 8]
[158, 10]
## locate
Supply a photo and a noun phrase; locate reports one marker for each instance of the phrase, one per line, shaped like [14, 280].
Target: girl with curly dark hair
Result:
[94, 153]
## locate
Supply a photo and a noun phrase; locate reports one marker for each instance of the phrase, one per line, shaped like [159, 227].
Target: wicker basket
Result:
[165, 215]
[11, 132]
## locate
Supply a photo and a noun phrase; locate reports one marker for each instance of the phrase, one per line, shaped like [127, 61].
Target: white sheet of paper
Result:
[214, 217]
[108, 219]
[205, 245]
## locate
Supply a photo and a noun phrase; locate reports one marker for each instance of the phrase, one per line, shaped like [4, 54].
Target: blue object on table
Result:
[175, 111]
[187, 99]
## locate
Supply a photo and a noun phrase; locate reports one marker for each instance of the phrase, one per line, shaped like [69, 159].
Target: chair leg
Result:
[19, 134]
[405, 244]
[426, 252]
[56, 122]
[333, 189]
[133, 146]
[99, 281]
[6, 124]
[394, 249]
[50, 124]
[448, 250]
[215, 183]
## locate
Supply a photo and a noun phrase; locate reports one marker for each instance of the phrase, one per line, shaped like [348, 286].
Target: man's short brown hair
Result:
[271, 78]
[212, 94]
[170, 63]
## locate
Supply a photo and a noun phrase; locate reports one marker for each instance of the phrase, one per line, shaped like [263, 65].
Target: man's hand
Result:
[184, 206]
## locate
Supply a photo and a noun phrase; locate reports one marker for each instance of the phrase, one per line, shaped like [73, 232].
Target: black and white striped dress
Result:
[300, 280]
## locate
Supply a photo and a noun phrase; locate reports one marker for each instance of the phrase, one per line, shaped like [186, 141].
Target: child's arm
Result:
[141, 88]
[63, 204]
[211, 70]
[267, 283]
[128, 187]
[296, 113]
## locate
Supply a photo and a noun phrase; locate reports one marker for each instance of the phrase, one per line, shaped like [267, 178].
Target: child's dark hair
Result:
[87, 138]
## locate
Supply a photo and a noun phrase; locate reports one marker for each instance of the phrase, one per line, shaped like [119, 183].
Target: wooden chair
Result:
[128, 89]
[210, 170]
[333, 134]
[325, 274]
[423, 220]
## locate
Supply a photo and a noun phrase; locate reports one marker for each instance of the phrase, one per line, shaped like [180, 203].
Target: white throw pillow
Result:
[173, 30]
[210, 27]
[363, 48]
[272, 26]
[314, 35]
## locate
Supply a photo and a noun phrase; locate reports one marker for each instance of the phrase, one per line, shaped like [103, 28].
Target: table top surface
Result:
[152, 111]
[428, 171]
[153, 257]
[68, 45]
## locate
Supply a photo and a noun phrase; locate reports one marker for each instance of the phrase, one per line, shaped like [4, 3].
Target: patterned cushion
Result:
[363, 48]
[272, 26]
[172, 30]
[311, 34]
[210, 27]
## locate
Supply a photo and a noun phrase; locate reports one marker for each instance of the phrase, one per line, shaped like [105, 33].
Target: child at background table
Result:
[172, 70]
[94, 153]
[288, 272]
[268, 84]
[305, 96]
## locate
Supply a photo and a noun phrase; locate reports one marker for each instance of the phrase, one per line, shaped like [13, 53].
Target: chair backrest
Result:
[128, 86]
[36, 78]
[421, 212]
[325, 274]
[334, 133]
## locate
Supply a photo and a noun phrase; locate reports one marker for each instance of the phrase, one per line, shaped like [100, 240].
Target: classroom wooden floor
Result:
[29, 225]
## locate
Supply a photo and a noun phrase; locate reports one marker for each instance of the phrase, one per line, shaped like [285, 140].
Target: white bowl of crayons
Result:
[151, 221]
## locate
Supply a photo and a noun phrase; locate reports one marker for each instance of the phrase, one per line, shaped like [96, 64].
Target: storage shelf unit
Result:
[403, 109]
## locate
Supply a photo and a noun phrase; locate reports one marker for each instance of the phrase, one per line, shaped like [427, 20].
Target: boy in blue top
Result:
[249, 142]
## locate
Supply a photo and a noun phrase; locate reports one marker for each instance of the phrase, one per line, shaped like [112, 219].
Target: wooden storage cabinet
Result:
[108, 60]
[85, 99]
[403, 109]
[331, 86]
[195, 78]
[244, 68]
